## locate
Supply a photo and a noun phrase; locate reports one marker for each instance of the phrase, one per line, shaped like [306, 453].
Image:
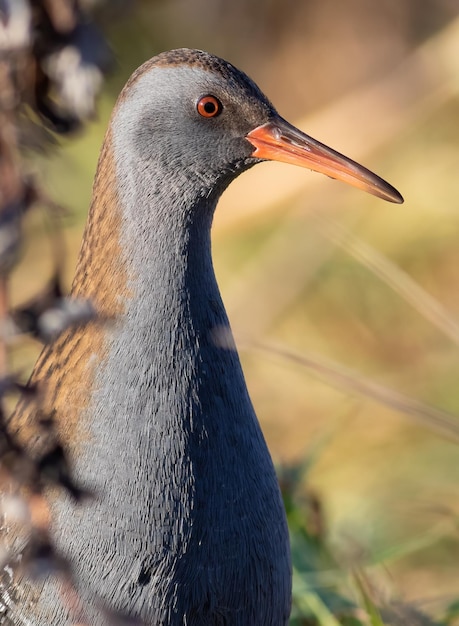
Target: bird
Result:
[187, 526]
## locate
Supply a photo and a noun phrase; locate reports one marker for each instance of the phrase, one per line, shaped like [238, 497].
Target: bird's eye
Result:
[209, 106]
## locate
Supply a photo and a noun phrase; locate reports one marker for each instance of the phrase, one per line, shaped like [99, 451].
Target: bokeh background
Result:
[345, 308]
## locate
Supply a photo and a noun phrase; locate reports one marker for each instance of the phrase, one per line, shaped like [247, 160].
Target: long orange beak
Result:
[278, 140]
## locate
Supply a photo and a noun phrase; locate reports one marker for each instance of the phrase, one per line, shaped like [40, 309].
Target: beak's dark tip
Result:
[397, 197]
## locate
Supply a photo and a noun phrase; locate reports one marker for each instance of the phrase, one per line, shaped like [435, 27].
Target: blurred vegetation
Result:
[371, 490]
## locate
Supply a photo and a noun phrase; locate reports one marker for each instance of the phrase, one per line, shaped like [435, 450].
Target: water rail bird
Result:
[187, 527]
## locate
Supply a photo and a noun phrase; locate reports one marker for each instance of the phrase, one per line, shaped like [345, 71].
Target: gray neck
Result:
[166, 240]
[173, 313]
[146, 262]
[183, 403]
[188, 501]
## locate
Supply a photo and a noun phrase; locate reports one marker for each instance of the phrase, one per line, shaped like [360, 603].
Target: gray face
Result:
[159, 124]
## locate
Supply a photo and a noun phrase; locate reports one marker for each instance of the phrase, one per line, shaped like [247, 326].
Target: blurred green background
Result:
[345, 308]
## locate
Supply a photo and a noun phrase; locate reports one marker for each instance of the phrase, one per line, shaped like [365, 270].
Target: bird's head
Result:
[196, 117]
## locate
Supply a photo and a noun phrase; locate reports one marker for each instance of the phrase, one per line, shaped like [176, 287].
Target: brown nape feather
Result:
[65, 370]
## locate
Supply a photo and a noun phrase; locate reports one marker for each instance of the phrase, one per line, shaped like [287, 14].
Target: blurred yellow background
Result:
[345, 308]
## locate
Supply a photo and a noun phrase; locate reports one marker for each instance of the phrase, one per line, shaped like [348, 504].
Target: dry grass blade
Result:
[397, 279]
[371, 608]
[440, 421]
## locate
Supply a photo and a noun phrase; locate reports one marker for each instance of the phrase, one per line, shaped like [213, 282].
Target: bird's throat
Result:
[146, 264]
[161, 387]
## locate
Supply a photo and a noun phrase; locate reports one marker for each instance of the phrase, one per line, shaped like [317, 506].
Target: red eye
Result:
[209, 106]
